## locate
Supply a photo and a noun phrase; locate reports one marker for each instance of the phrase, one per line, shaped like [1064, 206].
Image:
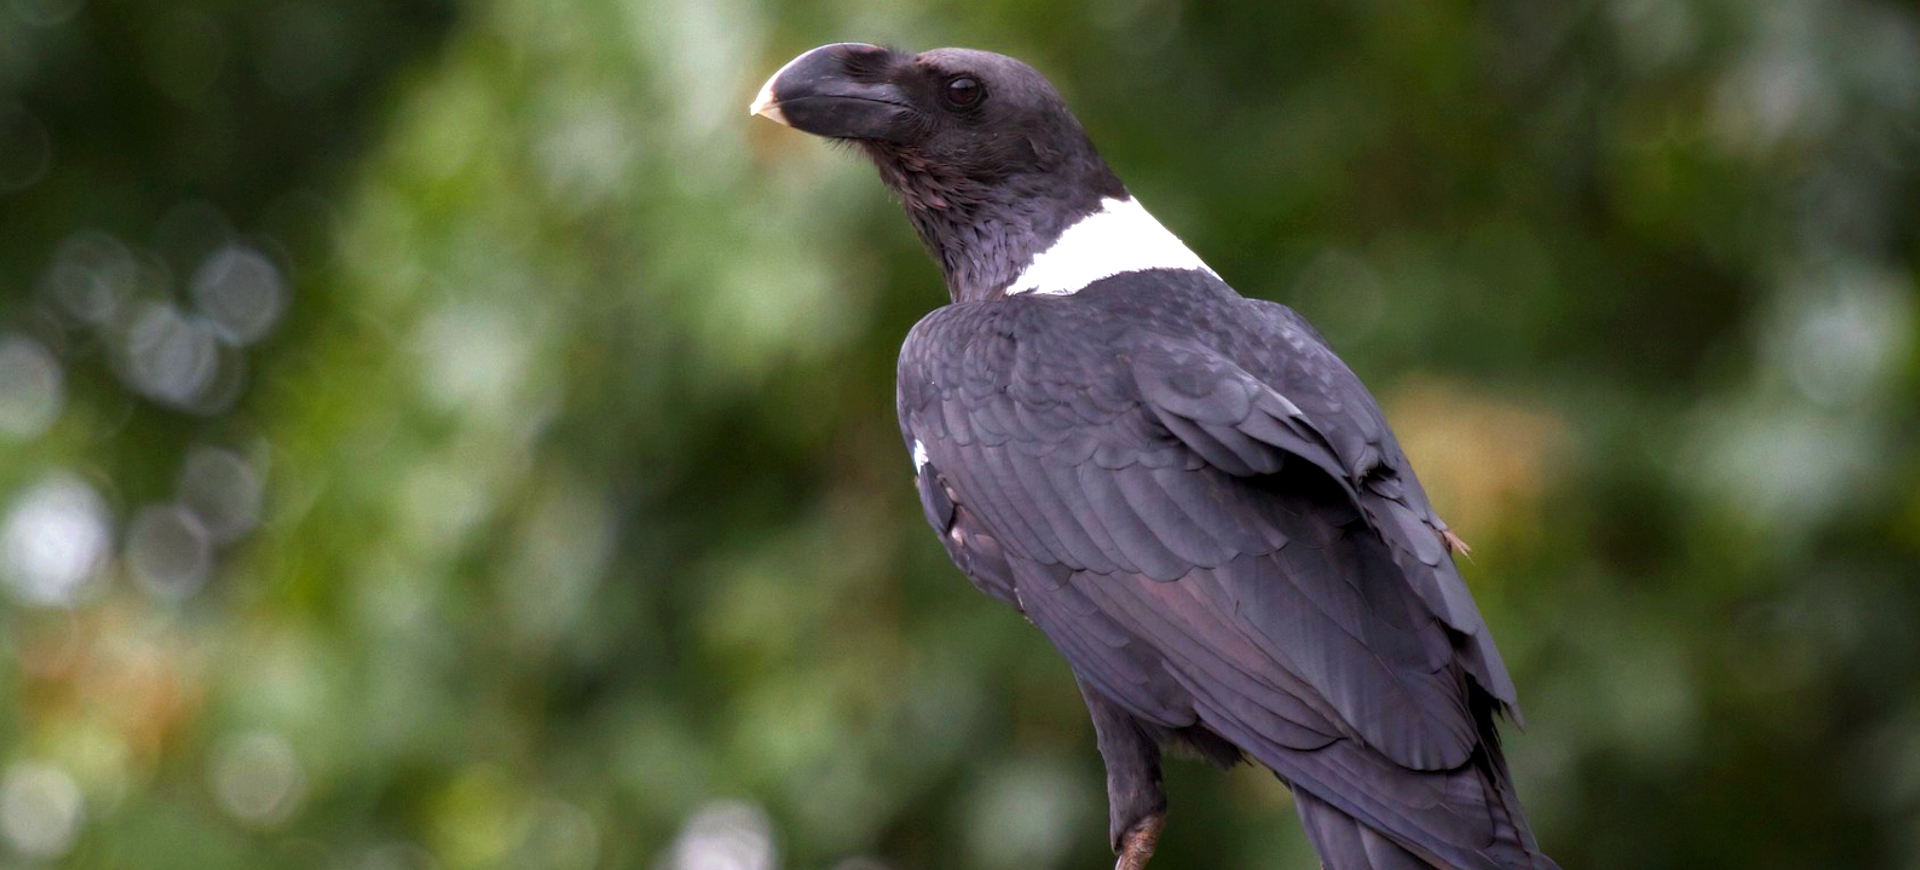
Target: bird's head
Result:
[983, 114]
[979, 147]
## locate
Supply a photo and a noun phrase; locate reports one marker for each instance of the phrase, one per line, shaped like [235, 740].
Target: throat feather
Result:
[1038, 232]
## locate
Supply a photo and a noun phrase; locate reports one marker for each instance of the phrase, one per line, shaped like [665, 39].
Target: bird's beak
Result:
[839, 91]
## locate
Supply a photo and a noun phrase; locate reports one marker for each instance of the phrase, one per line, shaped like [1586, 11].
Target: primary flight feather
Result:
[1194, 499]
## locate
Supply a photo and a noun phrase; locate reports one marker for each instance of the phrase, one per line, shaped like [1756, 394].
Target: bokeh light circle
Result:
[55, 536]
[32, 387]
[168, 552]
[41, 809]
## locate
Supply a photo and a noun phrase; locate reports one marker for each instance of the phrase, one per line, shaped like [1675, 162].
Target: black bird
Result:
[1194, 499]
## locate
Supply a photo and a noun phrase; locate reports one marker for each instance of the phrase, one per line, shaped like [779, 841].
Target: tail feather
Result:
[1345, 844]
[1364, 812]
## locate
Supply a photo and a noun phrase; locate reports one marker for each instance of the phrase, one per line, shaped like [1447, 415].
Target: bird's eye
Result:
[964, 92]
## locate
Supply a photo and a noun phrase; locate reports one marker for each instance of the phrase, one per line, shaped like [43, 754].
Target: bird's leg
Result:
[1136, 845]
[1136, 803]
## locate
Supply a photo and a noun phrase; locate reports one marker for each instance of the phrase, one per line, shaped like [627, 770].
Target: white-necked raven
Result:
[1186, 490]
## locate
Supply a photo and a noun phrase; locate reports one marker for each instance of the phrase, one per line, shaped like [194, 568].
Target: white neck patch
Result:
[1120, 237]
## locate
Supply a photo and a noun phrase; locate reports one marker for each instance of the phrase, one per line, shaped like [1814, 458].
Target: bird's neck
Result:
[982, 251]
[986, 235]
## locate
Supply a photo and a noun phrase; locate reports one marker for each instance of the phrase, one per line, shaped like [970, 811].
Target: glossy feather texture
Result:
[1205, 511]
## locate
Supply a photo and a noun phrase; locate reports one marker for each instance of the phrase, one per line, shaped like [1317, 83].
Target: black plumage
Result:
[1185, 490]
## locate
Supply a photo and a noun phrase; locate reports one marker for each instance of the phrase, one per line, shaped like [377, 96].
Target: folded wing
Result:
[1206, 554]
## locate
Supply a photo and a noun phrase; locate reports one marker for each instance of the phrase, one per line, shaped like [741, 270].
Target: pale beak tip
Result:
[769, 111]
[765, 105]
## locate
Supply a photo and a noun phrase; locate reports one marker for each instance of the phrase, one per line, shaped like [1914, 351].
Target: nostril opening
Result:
[866, 60]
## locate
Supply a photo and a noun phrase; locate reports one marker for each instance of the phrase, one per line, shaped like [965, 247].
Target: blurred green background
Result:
[456, 436]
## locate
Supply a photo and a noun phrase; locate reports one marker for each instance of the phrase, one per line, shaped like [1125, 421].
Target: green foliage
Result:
[461, 437]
